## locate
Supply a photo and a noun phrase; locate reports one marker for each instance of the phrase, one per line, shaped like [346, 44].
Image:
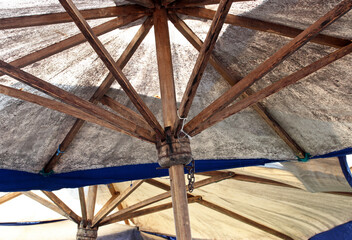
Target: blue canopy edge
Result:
[346, 169]
[341, 232]
[7, 224]
[12, 180]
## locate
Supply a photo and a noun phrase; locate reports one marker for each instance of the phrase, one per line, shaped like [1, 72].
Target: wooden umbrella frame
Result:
[144, 125]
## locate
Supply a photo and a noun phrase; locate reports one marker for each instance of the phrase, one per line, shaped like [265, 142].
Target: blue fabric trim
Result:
[341, 232]
[346, 169]
[340, 153]
[12, 180]
[30, 223]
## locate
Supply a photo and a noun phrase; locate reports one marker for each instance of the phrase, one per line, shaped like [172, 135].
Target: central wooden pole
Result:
[171, 152]
[179, 202]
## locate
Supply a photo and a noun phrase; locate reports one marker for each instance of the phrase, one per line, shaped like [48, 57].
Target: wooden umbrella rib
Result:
[73, 100]
[234, 92]
[165, 69]
[68, 211]
[45, 203]
[91, 202]
[82, 200]
[125, 112]
[220, 176]
[9, 196]
[73, 41]
[201, 62]
[159, 197]
[107, 208]
[102, 89]
[264, 26]
[232, 79]
[275, 87]
[55, 18]
[111, 65]
[244, 219]
[146, 211]
[113, 192]
[61, 107]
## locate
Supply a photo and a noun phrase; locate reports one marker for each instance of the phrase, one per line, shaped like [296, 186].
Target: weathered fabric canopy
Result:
[97, 95]
[315, 112]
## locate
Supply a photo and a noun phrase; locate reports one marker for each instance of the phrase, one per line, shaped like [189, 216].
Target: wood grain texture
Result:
[114, 217]
[91, 202]
[232, 78]
[82, 200]
[264, 26]
[102, 89]
[243, 219]
[235, 91]
[72, 41]
[54, 18]
[45, 203]
[9, 196]
[68, 211]
[76, 102]
[179, 202]
[107, 208]
[125, 112]
[57, 106]
[165, 69]
[150, 210]
[275, 87]
[202, 61]
[111, 65]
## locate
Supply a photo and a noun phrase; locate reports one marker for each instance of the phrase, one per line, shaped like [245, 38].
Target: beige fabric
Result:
[294, 212]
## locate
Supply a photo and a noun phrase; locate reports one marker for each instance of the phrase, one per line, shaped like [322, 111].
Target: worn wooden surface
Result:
[112, 66]
[264, 26]
[277, 86]
[232, 94]
[54, 18]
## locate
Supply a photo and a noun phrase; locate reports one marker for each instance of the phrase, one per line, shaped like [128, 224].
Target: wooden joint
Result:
[174, 151]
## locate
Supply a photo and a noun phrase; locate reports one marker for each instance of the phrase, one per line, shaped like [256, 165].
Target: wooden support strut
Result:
[201, 62]
[142, 212]
[83, 204]
[54, 18]
[230, 213]
[233, 93]
[102, 89]
[107, 208]
[111, 65]
[124, 125]
[232, 79]
[72, 41]
[58, 106]
[9, 196]
[260, 25]
[45, 203]
[70, 214]
[114, 217]
[275, 87]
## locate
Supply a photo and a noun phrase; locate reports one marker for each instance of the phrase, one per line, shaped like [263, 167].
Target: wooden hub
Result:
[86, 233]
[174, 151]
